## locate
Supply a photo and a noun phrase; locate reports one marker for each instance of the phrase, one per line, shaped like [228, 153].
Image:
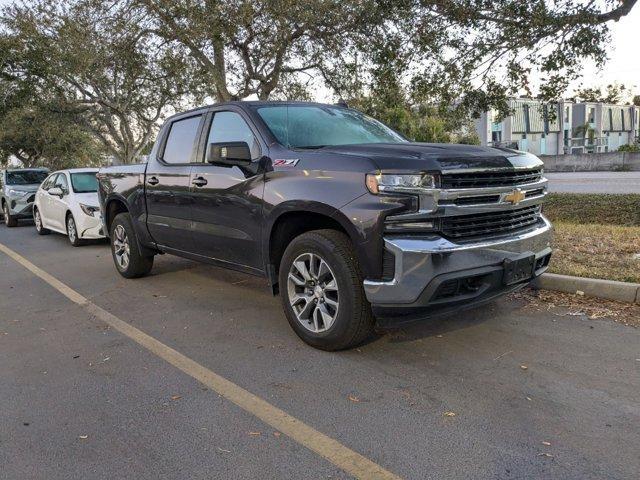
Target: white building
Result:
[562, 127]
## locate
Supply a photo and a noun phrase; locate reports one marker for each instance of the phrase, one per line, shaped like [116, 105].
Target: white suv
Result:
[67, 202]
[17, 192]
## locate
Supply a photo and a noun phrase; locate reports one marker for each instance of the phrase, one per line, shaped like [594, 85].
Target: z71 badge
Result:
[281, 162]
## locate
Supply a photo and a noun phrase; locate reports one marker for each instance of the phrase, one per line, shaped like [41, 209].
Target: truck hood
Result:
[436, 156]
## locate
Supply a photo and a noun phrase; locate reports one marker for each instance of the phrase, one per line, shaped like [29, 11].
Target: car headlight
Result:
[89, 209]
[399, 183]
[13, 191]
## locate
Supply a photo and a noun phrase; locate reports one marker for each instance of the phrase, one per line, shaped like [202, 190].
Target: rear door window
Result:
[182, 141]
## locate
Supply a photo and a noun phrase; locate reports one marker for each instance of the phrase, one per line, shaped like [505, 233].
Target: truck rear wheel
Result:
[322, 294]
[127, 257]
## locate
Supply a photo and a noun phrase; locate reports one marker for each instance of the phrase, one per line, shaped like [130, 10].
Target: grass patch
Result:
[596, 251]
[580, 208]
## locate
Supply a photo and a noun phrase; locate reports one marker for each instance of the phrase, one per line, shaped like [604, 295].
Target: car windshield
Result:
[317, 126]
[85, 182]
[26, 177]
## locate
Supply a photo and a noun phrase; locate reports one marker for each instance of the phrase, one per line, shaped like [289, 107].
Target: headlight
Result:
[89, 209]
[399, 183]
[13, 191]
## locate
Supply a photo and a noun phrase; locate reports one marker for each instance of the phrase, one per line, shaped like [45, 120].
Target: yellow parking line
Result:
[325, 446]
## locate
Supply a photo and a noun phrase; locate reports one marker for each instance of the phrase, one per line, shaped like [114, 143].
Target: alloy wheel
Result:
[313, 292]
[38, 220]
[121, 247]
[71, 230]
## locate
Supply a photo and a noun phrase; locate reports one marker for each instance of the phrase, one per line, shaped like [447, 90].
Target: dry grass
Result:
[565, 304]
[597, 251]
[601, 209]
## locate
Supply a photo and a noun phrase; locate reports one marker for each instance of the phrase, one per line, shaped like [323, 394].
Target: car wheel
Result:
[37, 219]
[9, 220]
[129, 260]
[322, 294]
[72, 232]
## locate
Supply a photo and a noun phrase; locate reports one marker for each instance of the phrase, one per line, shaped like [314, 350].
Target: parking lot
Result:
[188, 373]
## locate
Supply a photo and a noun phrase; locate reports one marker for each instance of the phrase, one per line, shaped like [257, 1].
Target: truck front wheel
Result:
[129, 260]
[321, 289]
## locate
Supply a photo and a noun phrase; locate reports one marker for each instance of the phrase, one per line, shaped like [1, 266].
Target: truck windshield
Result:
[26, 177]
[312, 126]
[84, 182]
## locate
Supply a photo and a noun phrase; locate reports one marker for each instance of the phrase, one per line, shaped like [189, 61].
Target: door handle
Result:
[199, 181]
[153, 181]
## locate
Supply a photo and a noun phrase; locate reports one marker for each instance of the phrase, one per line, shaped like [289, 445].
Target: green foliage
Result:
[615, 93]
[118, 68]
[633, 148]
[42, 136]
[466, 54]
[100, 62]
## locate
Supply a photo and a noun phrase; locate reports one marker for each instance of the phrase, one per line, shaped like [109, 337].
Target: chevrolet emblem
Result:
[515, 196]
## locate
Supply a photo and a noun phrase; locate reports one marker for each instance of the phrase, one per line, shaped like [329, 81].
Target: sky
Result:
[624, 61]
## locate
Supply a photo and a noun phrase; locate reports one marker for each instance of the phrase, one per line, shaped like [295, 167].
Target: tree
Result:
[101, 62]
[476, 52]
[42, 136]
[39, 132]
[615, 93]
[471, 54]
[250, 48]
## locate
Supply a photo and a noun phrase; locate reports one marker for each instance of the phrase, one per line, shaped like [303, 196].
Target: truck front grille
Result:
[490, 224]
[490, 179]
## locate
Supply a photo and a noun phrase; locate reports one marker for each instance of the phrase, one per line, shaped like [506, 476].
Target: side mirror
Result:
[229, 154]
[56, 191]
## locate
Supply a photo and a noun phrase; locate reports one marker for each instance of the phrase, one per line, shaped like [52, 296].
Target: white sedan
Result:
[67, 202]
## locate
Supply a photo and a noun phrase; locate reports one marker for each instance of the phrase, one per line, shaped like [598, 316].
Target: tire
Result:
[352, 321]
[124, 242]
[9, 220]
[37, 219]
[72, 232]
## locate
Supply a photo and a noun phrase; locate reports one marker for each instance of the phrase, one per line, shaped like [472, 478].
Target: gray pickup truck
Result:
[346, 218]
[18, 189]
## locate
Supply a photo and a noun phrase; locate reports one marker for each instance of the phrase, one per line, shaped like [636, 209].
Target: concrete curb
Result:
[609, 289]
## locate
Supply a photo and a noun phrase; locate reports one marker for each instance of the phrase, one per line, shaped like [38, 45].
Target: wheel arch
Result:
[292, 220]
[112, 207]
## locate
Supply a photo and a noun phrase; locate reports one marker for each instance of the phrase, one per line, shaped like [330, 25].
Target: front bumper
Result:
[90, 227]
[442, 275]
[21, 206]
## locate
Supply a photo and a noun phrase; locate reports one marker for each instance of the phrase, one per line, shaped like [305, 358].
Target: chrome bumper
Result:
[419, 261]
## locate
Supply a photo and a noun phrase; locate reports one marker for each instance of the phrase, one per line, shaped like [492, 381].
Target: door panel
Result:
[227, 214]
[227, 200]
[45, 200]
[169, 205]
[59, 206]
[167, 185]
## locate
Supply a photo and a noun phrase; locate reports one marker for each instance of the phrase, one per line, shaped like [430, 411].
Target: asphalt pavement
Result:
[594, 182]
[499, 392]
